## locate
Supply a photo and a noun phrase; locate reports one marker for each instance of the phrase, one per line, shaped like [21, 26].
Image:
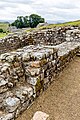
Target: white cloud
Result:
[54, 10]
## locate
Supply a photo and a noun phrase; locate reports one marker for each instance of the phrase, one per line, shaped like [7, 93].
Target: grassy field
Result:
[2, 35]
[73, 23]
[4, 26]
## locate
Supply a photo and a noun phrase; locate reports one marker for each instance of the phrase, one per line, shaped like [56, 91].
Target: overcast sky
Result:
[54, 10]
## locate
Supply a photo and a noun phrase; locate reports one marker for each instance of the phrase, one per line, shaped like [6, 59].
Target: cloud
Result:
[54, 10]
[19, 1]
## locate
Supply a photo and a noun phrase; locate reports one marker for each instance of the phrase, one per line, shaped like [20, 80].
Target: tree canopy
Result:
[28, 21]
[1, 30]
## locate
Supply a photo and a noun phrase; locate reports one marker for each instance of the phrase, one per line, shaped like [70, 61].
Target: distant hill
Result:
[4, 22]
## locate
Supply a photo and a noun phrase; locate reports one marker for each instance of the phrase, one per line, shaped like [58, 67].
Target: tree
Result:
[19, 22]
[1, 30]
[28, 21]
[35, 20]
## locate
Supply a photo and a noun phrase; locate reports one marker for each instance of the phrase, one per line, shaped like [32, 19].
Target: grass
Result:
[4, 26]
[31, 29]
[72, 23]
[2, 35]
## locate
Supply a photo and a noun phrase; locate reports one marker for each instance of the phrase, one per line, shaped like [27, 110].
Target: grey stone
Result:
[8, 116]
[12, 103]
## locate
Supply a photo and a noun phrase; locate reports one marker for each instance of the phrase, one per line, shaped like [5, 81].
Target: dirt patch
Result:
[62, 99]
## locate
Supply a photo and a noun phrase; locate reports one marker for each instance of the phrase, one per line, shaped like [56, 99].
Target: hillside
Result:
[4, 25]
[71, 23]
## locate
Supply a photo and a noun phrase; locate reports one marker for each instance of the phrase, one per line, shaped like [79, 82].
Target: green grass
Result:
[2, 35]
[72, 23]
[4, 26]
[31, 29]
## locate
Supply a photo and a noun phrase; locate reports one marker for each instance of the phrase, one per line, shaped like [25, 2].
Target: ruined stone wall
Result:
[49, 37]
[27, 72]
[15, 41]
[73, 35]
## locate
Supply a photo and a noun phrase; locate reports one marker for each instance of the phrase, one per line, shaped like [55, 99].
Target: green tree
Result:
[19, 22]
[28, 21]
[35, 20]
[1, 30]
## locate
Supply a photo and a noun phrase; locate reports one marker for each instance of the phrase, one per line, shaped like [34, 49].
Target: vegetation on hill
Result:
[3, 29]
[2, 35]
[72, 23]
[4, 26]
[28, 21]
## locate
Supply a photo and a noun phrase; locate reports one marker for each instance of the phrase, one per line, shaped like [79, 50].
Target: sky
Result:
[51, 10]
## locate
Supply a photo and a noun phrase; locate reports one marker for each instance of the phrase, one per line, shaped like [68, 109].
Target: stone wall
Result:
[73, 35]
[15, 41]
[30, 63]
[56, 35]
[27, 72]
[49, 37]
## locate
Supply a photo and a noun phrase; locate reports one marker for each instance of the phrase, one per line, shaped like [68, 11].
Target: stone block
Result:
[39, 115]
[32, 71]
[9, 116]
[11, 104]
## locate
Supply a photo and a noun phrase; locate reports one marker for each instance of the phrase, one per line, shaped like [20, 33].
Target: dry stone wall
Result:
[35, 61]
[49, 37]
[15, 41]
[27, 72]
[73, 35]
